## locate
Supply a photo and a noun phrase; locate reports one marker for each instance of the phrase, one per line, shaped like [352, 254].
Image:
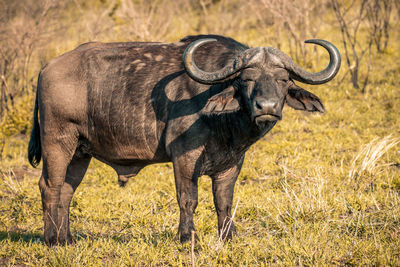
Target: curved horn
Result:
[301, 75]
[211, 77]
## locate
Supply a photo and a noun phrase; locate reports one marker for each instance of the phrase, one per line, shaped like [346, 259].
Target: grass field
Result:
[317, 190]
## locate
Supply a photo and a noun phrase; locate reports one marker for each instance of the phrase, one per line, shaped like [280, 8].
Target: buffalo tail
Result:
[34, 147]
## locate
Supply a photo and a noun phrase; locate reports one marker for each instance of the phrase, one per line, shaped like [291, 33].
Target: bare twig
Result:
[192, 249]
[378, 15]
[25, 27]
[293, 19]
[349, 23]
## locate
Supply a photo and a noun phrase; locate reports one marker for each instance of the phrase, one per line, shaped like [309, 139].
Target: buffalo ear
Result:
[301, 99]
[223, 102]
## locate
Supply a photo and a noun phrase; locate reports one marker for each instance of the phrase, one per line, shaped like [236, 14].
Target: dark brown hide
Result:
[133, 104]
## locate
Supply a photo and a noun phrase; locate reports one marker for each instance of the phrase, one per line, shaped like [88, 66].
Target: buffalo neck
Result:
[236, 130]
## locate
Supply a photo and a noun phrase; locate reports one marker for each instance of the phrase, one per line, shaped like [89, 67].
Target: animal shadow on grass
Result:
[25, 237]
[154, 238]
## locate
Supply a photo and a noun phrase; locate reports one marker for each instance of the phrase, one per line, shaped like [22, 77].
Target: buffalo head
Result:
[263, 79]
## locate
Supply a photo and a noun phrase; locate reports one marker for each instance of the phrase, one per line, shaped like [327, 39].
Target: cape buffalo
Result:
[199, 103]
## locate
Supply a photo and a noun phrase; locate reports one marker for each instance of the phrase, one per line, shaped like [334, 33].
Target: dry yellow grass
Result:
[367, 158]
[318, 190]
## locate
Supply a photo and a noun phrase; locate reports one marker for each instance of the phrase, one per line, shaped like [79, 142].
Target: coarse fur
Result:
[133, 104]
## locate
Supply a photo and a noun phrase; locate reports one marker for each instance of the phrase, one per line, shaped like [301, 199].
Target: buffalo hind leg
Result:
[50, 184]
[223, 185]
[186, 176]
[75, 172]
[57, 155]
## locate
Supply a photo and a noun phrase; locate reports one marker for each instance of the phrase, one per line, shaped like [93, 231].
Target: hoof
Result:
[228, 234]
[54, 241]
[185, 237]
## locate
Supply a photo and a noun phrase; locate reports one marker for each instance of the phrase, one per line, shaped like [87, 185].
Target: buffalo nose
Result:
[268, 107]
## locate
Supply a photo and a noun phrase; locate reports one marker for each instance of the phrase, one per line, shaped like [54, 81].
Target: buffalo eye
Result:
[283, 82]
[281, 76]
[248, 80]
[248, 86]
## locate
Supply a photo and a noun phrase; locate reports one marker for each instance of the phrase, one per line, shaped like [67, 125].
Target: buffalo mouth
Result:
[267, 118]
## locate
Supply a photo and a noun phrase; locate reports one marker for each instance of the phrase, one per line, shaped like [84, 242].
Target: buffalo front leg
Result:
[75, 172]
[186, 177]
[223, 185]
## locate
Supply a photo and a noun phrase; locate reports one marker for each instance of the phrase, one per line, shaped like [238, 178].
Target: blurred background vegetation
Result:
[319, 189]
